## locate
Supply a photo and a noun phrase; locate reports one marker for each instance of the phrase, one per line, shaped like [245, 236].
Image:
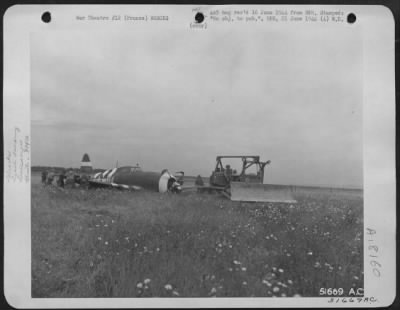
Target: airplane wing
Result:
[104, 184]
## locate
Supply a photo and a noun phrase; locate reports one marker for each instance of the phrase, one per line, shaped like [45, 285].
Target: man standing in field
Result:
[70, 179]
[50, 177]
[199, 181]
[61, 178]
[44, 177]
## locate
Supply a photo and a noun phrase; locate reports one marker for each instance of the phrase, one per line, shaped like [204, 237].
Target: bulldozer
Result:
[245, 186]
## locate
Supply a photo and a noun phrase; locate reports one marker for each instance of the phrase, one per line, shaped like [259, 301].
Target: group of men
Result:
[64, 178]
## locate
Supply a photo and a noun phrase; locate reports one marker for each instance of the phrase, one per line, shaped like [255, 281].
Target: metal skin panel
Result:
[242, 191]
[125, 177]
[148, 180]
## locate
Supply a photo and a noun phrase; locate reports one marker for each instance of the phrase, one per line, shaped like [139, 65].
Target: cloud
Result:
[176, 100]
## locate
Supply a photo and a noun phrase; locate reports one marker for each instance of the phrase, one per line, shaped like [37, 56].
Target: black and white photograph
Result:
[220, 154]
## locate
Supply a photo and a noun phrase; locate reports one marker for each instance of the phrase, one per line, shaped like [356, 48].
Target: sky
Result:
[176, 100]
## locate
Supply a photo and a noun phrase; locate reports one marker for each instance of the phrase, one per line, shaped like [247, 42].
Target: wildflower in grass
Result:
[244, 283]
[244, 268]
[230, 269]
[168, 287]
[139, 285]
[290, 282]
[266, 283]
[276, 289]
[280, 270]
[158, 249]
[317, 265]
[105, 225]
[97, 225]
[283, 295]
[175, 293]
[310, 253]
[147, 281]
[355, 278]
[213, 291]
[296, 295]
[98, 238]
[236, 262]
[270, 276]
[106, 243]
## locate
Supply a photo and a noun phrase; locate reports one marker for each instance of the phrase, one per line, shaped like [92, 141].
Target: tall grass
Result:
[144, 244]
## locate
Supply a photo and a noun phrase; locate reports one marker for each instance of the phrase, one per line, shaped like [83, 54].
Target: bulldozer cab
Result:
[224, 173]
[247, 184]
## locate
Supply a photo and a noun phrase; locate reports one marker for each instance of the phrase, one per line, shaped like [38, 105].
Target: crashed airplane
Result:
[133, 178]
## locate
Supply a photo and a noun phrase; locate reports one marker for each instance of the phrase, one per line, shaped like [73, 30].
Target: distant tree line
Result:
[56, 168]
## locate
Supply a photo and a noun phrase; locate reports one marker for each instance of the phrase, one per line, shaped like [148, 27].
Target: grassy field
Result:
[92, 243]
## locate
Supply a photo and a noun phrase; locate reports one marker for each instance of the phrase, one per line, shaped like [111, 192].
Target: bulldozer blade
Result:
[255, 192]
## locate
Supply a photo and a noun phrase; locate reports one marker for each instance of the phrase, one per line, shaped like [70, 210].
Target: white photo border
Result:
[377, 26]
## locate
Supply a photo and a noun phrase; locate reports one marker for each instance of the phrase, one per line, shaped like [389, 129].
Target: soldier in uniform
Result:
[69, 180]
[44, 177]
[77, 179]
[50, 177]
[199, 181]
[61, 178]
